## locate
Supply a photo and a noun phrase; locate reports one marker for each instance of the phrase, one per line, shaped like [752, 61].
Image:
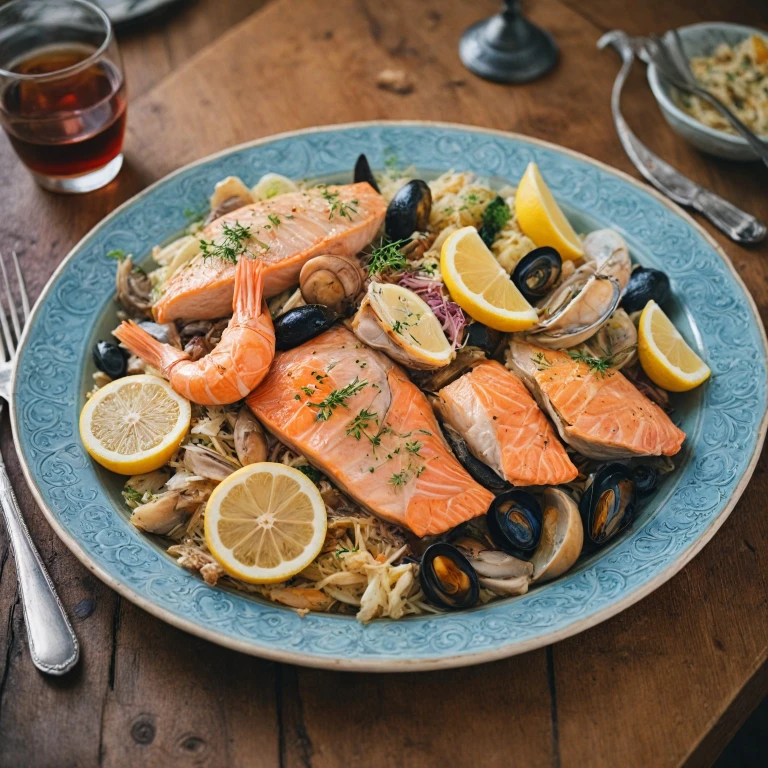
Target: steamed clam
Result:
[562, 536]
[584, 302]
[447, 578]
[616, 340]
[334, 281]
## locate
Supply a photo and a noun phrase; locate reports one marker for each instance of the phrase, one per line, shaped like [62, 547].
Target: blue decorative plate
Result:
[725, 419]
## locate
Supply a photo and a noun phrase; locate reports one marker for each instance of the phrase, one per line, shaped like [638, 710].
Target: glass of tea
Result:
[62, 92]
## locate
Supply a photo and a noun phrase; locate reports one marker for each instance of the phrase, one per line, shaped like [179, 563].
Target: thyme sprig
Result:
[336, 398]
[598, 365]
[387, 257]
[231, 245]
[337, 205]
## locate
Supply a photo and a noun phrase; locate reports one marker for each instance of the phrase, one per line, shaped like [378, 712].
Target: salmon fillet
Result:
[381, 444]
[286, 231]
[503, 427]
[602, 416]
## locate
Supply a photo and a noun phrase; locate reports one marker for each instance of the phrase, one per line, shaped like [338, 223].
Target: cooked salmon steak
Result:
[600, 413]
[503, 427]
[355, 415]
[285, 232]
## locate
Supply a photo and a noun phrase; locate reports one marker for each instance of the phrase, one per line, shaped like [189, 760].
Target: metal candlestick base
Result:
[507, 48]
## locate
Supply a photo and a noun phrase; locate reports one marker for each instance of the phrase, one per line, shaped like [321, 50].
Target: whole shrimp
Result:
[238, 363]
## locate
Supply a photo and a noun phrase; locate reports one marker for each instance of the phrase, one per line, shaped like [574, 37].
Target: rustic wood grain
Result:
[664, 683]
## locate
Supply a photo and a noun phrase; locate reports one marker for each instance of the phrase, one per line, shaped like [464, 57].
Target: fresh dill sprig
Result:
[387, 257]
[232, 243]
[399, 479]
[598, 365]
[414, 446]
[275, 219]
[337, 398]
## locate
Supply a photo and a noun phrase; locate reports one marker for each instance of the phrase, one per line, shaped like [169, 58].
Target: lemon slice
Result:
[410, 323]
[481, 286]
[265, 523]
[665, 355]
[540, 217]
[134, 424]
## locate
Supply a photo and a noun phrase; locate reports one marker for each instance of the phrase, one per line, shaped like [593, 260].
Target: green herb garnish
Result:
[541, 361]
[337, 398]
[232, 243]
[495, 216]
[337, 205]
[131, 494]
[314, 475]
[387, 257]
[117, 254]
[598, 365]
[360, 423]
[275, 219]
[399, 479]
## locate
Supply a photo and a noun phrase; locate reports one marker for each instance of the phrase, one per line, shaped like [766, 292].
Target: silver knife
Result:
[735, 223]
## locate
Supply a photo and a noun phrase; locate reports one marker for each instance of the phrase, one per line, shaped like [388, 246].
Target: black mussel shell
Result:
[478, 470]
[110, 359]
[537, 272]
[447, 578]
[299, 325]
[514, 522]
[363, 172]
[645, 478]
[481, 336]
[409, 211]
[645, 284]
[609, 503]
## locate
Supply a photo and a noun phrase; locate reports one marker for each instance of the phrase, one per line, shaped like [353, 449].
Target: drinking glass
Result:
[62, 92]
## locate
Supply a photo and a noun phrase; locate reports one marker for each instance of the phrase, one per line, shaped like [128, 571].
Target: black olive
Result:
[645, 478]
[409, 211]
[363, 172]
[645, 284]
[537, 272]
[514, 522]
[447, 578]
[299, 325]
[110, 359]
[608, 503]
[478, 470]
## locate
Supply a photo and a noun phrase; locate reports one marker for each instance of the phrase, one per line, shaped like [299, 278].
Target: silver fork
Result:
[673, 65]
[52, 642]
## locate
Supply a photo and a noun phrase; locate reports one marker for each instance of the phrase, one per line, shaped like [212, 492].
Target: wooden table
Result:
[666, 682]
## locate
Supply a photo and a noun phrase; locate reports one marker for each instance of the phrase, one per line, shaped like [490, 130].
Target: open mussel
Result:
[608, 503]
[537, 273]
[478, 470]
[409, 211]
[447, 578]
[363, 172]
[645, 284]
[299, 325]
[514, 522]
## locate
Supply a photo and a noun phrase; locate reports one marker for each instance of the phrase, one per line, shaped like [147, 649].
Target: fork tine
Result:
[22, 286]
[685, 64]
[11, 304]
[3, 354]
[11, 348]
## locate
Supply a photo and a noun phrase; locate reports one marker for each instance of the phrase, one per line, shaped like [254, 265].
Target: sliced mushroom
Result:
[134, 288]
[196, 348]
[206, 463]
[334, 281]
[228, 195]
[562, 536]
[250, 440]
[163, 332]
[493, 564]
[507, 587]
[150, 482]
[160, 515]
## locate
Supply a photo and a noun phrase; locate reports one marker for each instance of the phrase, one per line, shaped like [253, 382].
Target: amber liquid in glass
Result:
[68, 126]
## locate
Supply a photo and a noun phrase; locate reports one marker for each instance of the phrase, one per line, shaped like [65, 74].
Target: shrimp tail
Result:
[249, 290]
[150, 350]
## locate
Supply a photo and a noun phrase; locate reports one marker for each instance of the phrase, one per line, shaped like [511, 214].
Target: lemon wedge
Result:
[540, 217]
[134, 424]
[410, 323]
[265, 523]
[664, 354]
[481, 286]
